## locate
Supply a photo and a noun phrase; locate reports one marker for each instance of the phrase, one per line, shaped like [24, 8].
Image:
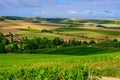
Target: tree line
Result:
[27, 45]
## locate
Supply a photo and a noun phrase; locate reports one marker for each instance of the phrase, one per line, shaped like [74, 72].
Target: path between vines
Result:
[109, 78]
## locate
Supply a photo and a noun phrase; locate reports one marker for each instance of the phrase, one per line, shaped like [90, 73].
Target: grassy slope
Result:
[108, 63]
[115, 33]
[90, 33]
[82, 50]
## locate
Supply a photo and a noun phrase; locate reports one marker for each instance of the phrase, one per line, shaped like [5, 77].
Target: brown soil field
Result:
[13, 26]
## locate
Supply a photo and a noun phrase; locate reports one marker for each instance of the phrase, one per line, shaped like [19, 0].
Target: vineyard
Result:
[57, 66]
[51, 73]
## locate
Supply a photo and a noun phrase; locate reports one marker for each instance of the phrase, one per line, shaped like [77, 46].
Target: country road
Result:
[109, 78]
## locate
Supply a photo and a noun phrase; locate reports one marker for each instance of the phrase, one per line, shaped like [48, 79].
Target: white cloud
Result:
[88, 12]
[72, 12]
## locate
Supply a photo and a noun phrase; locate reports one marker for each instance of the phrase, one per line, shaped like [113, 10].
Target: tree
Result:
[5, 41]
[30, 45]
[11, 36]
[2, 18]
[1, 37]
[2, 43]
[2, 48]
[57, 41]
[65, 44]
[49, 44]
[26, 39]
[77, 43]
[44, 30]
[15, 47]
[28, 27]
[101, 26]
[85, 42]
[92, 42]
[115, 40]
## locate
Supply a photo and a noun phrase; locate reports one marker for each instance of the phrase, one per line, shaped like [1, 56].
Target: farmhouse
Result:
[18, 40]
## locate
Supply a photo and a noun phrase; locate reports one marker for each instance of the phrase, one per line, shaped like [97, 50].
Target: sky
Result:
[61, 8]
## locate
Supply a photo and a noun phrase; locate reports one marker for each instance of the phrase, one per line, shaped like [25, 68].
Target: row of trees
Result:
[31, 46]
[41, 43]
[44, 43]
[111, 44]
[36, 43]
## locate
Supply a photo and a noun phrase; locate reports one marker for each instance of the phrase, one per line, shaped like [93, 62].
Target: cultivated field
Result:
[14, 26]
[86, 32]
[104, 61]
[60, 62]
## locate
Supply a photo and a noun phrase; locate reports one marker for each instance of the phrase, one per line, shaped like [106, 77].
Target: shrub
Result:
[115, 40]
[49, 31]
[92, 42]
[101, 26]
[44, 30]
[85, 42]
[2, 48]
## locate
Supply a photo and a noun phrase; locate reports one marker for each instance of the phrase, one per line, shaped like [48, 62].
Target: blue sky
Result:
[61, 8]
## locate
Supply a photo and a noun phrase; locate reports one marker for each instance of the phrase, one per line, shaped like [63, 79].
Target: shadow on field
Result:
[80, 51]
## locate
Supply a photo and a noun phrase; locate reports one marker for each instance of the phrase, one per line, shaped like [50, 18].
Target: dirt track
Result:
[109, 78]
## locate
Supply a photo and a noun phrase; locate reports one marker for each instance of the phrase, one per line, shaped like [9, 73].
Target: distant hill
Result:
[61, 20]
